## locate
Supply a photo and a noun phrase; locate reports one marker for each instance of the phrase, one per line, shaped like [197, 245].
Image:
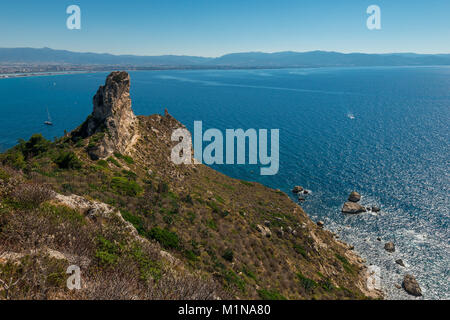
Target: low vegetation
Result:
[205, 223]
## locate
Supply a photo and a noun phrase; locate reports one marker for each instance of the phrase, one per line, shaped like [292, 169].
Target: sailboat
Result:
[49, 120]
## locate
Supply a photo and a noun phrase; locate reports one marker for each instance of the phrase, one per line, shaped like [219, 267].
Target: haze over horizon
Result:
[210, 29]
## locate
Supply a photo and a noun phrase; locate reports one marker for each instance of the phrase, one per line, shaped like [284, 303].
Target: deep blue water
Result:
[395, 151]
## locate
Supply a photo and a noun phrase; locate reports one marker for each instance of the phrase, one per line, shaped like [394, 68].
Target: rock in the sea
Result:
[320, 223]
[354, 197]
[297, 189]
[400, 262]
[305, 191]
[378, 239]
[411, 285]
[353, 207]
[301, 199]
[389, 246]
[375, 209]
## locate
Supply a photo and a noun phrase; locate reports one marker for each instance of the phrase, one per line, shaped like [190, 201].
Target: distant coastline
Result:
[161, 68]
[36, 74]
[18, 62]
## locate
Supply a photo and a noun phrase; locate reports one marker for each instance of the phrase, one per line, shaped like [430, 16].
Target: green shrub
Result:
[14, 158]
[136, 221]
[127, 159]
[102, 163]
[80, 143]
[168, 219]
[68, 160]
[35, 146]
[232, 278]
[165, 237]
[67, 187]
[190, 255]
[228, 255]
[191, 216]
[306, 283]
[299, 249]
[107, 252]
[163, 187]
[129, 174]
[345, 263]
[188, 199]
[212, 224]
[270, 295]
[326, 285]
[4, 176]
[125, 187]
[249, 273]
[224, 213]
[63, 214]
[114, 162]
[147, 267]
[213, 206]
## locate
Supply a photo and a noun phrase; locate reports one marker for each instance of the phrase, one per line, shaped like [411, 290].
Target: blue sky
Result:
[213, 27]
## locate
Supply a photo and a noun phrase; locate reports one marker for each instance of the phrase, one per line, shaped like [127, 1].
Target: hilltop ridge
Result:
[284, 59]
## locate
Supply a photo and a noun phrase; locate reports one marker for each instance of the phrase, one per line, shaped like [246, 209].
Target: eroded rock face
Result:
[411, 285]
[353, 207]
[112, 121]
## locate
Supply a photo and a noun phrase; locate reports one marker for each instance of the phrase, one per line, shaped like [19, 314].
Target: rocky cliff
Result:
[112, 118]
[185, 224]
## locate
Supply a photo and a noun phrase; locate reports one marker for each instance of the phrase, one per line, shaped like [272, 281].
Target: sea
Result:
[382, 131]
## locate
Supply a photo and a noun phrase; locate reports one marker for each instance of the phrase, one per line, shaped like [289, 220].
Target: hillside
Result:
[107, 197]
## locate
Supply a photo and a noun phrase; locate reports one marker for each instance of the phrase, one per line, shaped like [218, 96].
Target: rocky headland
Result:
[107, 197]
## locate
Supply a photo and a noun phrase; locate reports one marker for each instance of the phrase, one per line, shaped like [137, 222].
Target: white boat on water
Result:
[49, 119]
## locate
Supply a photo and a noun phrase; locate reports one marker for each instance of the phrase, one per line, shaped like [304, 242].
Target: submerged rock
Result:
[353, 207]
[411, 285]
[389, 246]
[354, 197]
[375, 209]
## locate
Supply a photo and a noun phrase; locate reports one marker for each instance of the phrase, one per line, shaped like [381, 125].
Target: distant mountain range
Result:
[241, 60]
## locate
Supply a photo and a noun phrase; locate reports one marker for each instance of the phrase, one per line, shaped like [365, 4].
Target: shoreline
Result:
[43, 74]
[208, 68]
